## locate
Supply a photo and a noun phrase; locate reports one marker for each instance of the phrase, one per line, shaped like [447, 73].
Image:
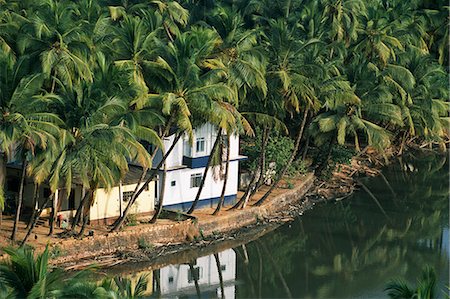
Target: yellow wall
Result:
[107, 204]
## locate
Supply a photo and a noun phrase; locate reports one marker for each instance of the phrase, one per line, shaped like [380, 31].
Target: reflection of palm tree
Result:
[219, 271]
[195, 277]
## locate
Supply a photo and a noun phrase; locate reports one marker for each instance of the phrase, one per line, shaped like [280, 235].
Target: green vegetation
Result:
[27, 276]
[83, 85]
[399, 289]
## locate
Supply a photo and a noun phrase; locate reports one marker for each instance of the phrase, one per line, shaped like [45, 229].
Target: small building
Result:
[186, 165]
[106, 207]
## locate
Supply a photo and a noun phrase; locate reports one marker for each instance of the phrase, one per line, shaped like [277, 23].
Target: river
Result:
[345, 249]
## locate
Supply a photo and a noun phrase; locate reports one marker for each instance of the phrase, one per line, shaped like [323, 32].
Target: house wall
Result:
[185, 160]
[107, 203]
[181, 195]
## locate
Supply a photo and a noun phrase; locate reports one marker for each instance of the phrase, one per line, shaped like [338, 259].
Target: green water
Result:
[346, 249]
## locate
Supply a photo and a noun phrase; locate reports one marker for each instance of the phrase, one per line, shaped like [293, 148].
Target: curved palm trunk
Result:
[324, 163]
[262, 161]
[208, 165]
[153, 173]
[225, 181]
[255, 181]
[219, 270]
[77, 217]
[288, 164]
[3, 161]
[35, 220]
[53, 213]
[19, 200]
[88, 209]
[35, 198]
[197, 287]
[277, 270]
[161, 194]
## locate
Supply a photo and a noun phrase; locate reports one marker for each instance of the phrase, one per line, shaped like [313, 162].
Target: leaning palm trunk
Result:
[87, 209]
[19, 200]
[77, 217]
[53, 213]
[35, 220]
[288, 164]
[35, 197]
[161, 194]
[197, 286]
[3, 160]
[208, 165]
[134, 197]
[262, 160]
[258, 175]
[219, 271]
[225, 180]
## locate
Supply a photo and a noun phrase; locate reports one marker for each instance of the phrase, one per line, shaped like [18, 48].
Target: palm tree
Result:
[54, 38]
[30, 277]
[399, 289]
[25, 124]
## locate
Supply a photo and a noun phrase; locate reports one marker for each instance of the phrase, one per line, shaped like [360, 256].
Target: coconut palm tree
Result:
[399, 289]
[55, 41]
[25, 124]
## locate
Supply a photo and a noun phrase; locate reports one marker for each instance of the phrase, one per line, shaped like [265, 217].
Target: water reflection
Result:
[347, 249]
[350, 249]
[211, 276]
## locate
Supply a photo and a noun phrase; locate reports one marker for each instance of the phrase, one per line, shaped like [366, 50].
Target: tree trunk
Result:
[225, 180]
[19, 200]
[262, 160]
[324, 163]
[288, 164]
[247, 192]
[202, 183]
[133, 198]
[255, 181]
[77, 216]
[35, 220]
[277, 270]
[3, 161]
[161, 194]
[305, 150]
[219, 271]
[88, 208]
[53, 213]
[35, 208]
[197, 287]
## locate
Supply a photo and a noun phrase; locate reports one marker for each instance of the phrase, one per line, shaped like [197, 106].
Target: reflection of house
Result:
[105, 207]
[186, 165]
[177, 280]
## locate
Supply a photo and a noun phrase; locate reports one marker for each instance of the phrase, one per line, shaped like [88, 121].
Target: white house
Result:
[186, 165]
[178, 280]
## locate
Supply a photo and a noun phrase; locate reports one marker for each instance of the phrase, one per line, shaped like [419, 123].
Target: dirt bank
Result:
[185, 232]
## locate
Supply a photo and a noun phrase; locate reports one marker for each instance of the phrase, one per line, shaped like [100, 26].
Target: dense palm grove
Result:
[84, 85]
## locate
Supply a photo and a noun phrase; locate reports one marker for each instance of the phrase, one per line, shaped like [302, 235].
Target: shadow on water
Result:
[346, 249]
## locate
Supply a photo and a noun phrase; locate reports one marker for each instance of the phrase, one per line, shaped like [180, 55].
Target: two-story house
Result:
[186, 165]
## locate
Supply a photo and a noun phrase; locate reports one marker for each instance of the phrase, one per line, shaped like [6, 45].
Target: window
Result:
[196, 180]
[170, 279]
[223, 268]
[126, 196]
[173, 183]
[196, 274]
[200, 145]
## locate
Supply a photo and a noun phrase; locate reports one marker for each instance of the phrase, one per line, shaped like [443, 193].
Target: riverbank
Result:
[146, 242]
[168, 232]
